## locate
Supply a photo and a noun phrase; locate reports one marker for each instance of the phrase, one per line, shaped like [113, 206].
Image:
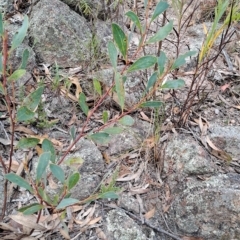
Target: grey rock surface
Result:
[121, 227]
[130, 139]
[210, 208]
[187, 157]
[226, 138]
[62, 37]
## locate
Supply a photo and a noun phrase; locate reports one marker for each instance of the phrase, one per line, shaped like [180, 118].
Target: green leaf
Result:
[1, 25]
[42, 164]
[25, 57]
[17, 74]
[1, 64]
[135, 19]
[120, 39]
[66, 202]
[162, 33]
[1, 89]
[112, 51]
[161, 60]
[181, 59]
[33, 208]
[110, 195]
[160, 8]
[33, 99]
[126, 120]
[47, 146]
[14, 178]
[97, 86]
[113, 130]
[27, 143]
[120, 89]
[73, 132]
[73, 180]
[153, 104]
[44, 195]
[105, 116]
[152, 80]
[24, 114]
[173, 84]
[100, 137]
[57, 172]
[142, 63]
[74, 162]
[83, 104]
[20, 35]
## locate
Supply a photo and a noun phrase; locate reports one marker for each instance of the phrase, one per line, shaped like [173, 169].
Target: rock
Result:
[128, 202]
[90, 171]
[226, 138]
[5, 5]
[210, 208]
[121, 227]
[130, 139]
[185, 156]
[92, 8]
[61, 38]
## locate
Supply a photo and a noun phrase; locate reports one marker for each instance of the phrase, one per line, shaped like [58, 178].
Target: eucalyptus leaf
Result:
[25, 57]
[31, 209]
[44, 195]
[120, 89]
[161, 60]
[47, 146]
[14, 178]
[66, 202]
[97, 86]
[17, 74]
[73, 180]
[105, 116]
[112, 51]
[42, 164]
[57, 172]
[33, 99]
[83, 104]
[27, 143]
[181, 60]
[135, 19]
[20, 35]
[126, 120]
[160, 8]
[1, 25]
[151, 81]
[162, 33]
[153, 104]
[173, 84]
[1, 89]
[120, 39]
[113, 130]
[100, 137]
[1, 64]
[109, 195]
[24, 114]
[143, 63]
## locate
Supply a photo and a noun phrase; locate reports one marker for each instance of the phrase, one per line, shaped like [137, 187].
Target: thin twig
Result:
[146, 222]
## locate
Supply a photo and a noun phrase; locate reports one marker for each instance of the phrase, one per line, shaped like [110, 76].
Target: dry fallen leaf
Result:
[150, 213]
[218, 152]
[133, 176]
[28, 221]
